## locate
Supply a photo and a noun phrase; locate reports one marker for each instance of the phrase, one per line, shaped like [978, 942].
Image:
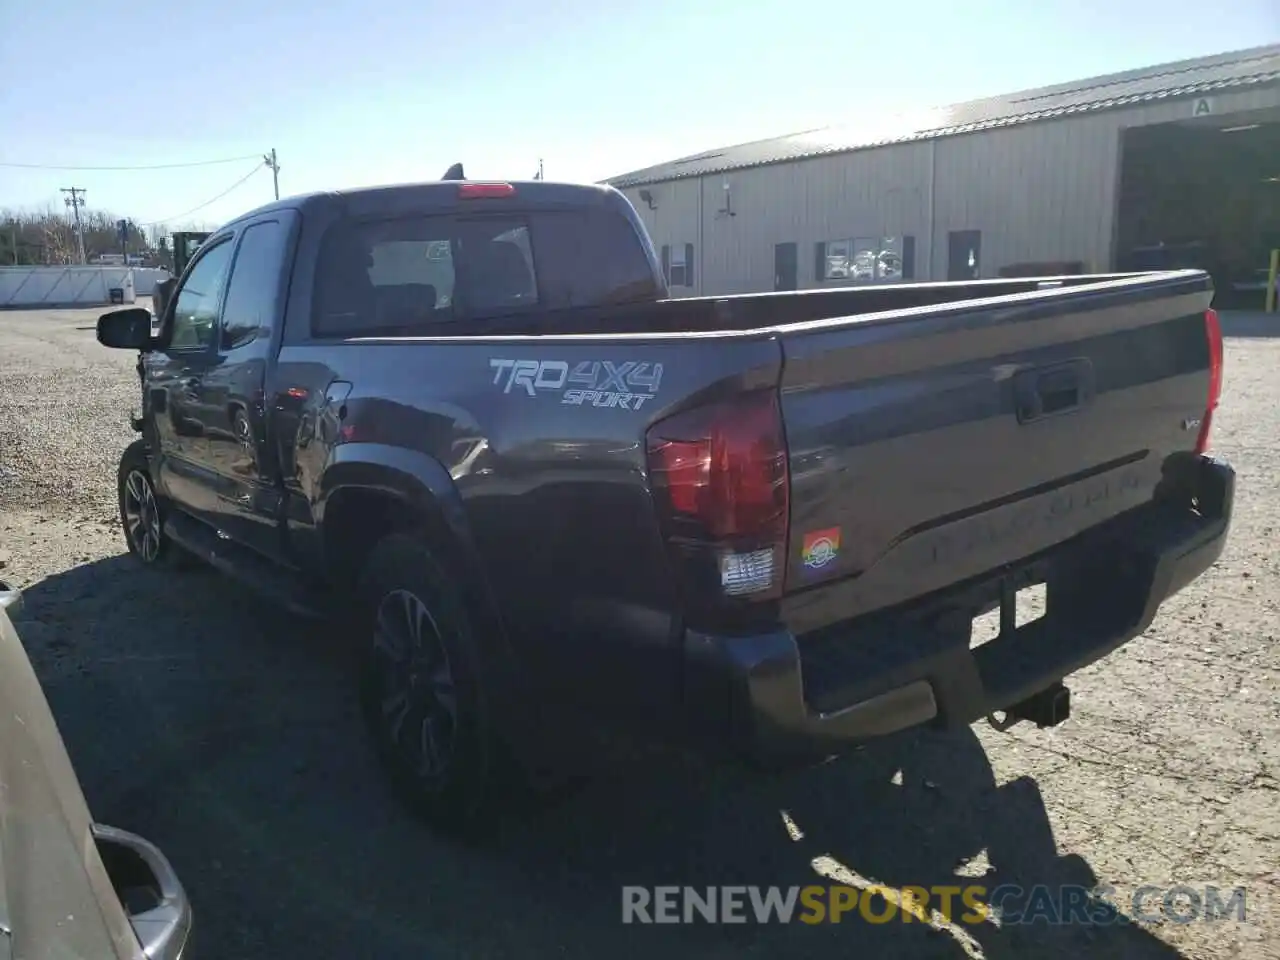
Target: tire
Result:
[143, 511]
[421, 692]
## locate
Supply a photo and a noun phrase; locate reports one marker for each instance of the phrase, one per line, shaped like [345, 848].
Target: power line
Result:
[154, 166]
[180, 216]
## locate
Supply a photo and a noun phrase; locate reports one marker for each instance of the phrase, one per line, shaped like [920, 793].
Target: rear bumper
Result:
[777, 696]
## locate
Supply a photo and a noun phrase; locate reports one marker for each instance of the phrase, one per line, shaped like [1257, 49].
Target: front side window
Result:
[195, 312]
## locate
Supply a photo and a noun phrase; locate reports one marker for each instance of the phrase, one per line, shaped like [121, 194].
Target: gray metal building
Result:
[1084, 173]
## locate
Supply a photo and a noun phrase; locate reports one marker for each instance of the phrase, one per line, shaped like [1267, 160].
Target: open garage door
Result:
[1203, 193]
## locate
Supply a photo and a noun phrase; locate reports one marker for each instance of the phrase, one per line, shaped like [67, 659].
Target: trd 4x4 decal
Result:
[596, 383]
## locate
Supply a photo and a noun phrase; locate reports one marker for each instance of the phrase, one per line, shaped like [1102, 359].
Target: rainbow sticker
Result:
[820, 547]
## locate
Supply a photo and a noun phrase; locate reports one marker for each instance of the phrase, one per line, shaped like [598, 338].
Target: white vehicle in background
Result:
[69, 887]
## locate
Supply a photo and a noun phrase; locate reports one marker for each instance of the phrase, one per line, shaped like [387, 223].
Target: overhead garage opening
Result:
[1204, 193]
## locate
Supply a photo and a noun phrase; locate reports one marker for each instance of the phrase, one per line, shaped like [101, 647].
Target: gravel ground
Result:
[227, 733]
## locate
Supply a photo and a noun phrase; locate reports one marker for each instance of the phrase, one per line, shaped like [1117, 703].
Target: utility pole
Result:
[75, 200]
[270, 161]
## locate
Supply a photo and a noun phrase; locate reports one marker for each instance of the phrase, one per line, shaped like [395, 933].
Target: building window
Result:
[677, 264]
[866, 260]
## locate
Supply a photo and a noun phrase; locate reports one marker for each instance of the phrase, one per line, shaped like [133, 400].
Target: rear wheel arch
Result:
[357, 517]
[365, 503]
[372, 509]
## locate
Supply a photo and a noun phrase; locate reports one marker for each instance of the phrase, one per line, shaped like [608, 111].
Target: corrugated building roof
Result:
[1181, 79]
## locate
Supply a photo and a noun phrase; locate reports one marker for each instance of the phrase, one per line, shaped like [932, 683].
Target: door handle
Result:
[1049, 391]
[334, 410]
[335, 395]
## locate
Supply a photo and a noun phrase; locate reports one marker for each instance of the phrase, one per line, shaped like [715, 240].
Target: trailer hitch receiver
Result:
[1048, 708]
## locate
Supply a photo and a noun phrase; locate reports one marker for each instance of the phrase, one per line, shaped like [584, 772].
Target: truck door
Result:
[175, 377]
[236, 457]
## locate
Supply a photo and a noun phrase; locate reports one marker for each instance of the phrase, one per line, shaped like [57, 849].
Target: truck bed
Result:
[759, 312]
[905, 427]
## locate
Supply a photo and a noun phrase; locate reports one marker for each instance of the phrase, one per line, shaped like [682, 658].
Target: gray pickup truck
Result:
[464, 422]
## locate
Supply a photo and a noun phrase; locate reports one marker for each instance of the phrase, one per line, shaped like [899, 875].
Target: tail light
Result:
[1213, 331]
[719, 479]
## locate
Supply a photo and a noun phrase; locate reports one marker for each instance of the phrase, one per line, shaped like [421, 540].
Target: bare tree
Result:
[59, 241]
[34, 237]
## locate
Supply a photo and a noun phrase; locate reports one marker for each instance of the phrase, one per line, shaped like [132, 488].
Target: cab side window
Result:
[195, 312]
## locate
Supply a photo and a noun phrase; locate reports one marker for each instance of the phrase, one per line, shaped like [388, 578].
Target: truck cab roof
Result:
[443, 196]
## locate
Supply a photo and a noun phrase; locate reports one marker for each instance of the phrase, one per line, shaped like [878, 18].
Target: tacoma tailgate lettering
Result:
[1034, 519]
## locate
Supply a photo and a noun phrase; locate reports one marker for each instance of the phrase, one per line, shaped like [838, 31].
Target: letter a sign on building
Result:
[1202, 107]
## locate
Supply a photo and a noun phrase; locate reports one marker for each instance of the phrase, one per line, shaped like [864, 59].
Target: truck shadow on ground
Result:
[228, 733]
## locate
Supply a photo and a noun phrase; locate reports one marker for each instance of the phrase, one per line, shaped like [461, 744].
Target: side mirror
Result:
[128, 329]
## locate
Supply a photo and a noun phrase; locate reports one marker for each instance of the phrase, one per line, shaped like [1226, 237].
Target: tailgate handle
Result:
[1049, 391]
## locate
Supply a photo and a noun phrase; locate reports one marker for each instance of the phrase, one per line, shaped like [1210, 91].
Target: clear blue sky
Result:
[386, 91]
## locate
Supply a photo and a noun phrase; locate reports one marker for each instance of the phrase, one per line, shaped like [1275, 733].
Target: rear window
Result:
[417, 274]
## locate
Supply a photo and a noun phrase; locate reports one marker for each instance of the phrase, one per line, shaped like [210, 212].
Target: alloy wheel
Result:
[415, 691]
[141, 516]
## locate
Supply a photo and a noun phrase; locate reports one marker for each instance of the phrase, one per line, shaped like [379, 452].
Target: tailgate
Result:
[931, 445]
